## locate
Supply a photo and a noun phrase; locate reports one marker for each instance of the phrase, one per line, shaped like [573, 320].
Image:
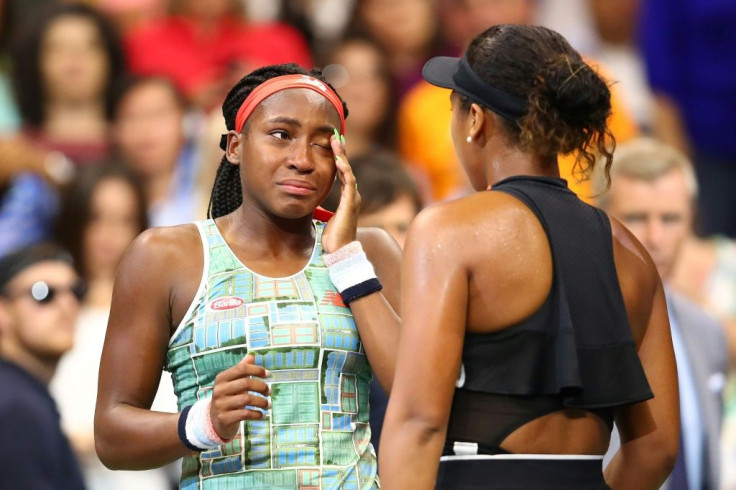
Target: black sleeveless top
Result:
[575, 351]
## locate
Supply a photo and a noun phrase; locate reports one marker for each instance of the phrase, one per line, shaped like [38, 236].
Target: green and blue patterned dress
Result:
[316, 434]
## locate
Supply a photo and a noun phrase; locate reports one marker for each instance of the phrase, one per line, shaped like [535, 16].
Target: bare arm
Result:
[376, 315]
[434, 298]
[649, 430]
[128, 435]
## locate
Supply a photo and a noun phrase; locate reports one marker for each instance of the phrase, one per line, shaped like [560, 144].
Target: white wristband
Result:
[199, 430]
[351, 272]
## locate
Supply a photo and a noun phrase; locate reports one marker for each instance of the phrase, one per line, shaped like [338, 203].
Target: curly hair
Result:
[568, 102]
[227, 193]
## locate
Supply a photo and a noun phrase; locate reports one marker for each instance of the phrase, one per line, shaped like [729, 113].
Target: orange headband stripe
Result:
[284, 82]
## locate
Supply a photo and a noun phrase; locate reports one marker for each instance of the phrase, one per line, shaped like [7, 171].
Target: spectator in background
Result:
[102, 211]
[205, 47]
[408, 31]
[424, 114]
[39, 302]
[9, 119]
[128, 14]
[149, 138]
[617, 47]
[653, 189]
[359, 69]
[689, 48]
[65, 66]
[390, 197]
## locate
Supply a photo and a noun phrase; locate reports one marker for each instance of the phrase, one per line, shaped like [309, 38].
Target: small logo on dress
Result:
[226, 303]
[332, 298]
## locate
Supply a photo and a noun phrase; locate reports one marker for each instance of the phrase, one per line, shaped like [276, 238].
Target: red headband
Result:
[277, 84]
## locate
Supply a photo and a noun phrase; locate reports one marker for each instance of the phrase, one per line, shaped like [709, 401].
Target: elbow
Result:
[656, 458]
[105, 446]
[669, 456]
[107, 452]
[664, 452]
[425, 426]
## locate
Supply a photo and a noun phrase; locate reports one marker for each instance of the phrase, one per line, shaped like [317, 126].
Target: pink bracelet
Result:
[345, 252]
[209, 428]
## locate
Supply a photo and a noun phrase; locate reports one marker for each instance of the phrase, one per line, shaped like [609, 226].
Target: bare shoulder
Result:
[160, 273]
[484, 220]
[377, 242]
[163, 245]
[168, 257]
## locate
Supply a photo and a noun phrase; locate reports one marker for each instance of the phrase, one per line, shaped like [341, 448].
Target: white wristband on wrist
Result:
[196, 429]
[351, 272]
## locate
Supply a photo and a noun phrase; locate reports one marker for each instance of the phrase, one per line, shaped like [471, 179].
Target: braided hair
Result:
[227, 193]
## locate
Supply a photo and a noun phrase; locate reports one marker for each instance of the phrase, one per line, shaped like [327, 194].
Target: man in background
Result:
[39, 302]
[653, 193]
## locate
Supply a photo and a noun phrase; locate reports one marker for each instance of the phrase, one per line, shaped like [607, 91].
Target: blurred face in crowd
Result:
[406, 25]
[113, 225]
[74, 64]
[658, 213]
[394, 218]
[41, 330]
[462, 20]
[211, 9]
[148, 128]
[616, 21]
[366, 86]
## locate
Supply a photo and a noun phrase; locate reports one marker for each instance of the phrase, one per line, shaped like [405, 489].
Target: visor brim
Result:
[440, 71]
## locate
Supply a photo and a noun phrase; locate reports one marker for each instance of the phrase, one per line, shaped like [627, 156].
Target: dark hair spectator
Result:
[358, 67]
[150, 138]
[31, 87]
[77, 212]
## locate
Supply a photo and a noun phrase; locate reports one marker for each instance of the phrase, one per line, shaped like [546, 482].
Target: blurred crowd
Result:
[110, 122]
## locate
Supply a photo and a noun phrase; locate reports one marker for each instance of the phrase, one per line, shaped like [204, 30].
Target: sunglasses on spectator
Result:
[43, 293]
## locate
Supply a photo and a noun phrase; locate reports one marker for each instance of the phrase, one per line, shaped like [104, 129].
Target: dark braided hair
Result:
[227, 193]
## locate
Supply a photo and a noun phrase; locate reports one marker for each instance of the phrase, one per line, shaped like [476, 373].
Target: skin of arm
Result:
[650, 429]
[376, 315]
[128, 435]
[434, 298]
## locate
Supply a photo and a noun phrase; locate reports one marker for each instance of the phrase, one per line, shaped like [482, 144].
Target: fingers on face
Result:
[337, 141]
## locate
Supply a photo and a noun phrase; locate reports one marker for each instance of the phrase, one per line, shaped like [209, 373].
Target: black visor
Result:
[456, 74]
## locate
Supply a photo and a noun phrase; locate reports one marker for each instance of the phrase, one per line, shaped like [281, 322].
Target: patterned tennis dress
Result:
[316, 434]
